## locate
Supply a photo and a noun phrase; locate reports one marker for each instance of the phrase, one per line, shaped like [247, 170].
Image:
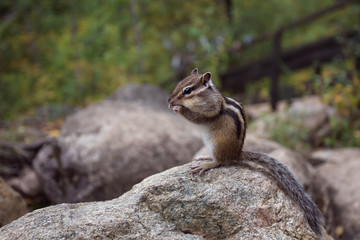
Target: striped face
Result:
[196, 98]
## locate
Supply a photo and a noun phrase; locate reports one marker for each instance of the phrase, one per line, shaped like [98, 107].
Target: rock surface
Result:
[142, 94]
[227, 202]
[258, 110]
[27, 183]
[103, 150]
[308, 113]
[12, 206]
[340, 172]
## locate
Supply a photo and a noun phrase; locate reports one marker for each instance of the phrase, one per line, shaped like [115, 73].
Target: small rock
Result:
[12, 206]
[258, 110]
[310, 111]
[308, 114]
[27, 183]
[335, 156]
[340, 172]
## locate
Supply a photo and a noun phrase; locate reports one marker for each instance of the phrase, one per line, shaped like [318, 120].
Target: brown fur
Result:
[208, 107]
[225, 151]
[198, 107]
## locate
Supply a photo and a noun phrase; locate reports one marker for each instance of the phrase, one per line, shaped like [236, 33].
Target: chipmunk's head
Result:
[196, 98]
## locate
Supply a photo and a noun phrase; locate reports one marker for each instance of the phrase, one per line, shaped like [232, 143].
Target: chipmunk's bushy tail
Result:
[292, 188]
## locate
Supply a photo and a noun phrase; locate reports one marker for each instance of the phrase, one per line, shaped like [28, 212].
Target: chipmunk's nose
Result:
[173, 107]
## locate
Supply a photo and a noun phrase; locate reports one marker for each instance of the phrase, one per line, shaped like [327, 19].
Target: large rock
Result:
[104, 150]
[307, 114]
[143, 94]
[340, 172]
[225, 203]
[12, 206]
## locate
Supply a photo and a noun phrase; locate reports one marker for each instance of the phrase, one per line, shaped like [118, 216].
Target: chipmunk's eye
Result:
[187, 90]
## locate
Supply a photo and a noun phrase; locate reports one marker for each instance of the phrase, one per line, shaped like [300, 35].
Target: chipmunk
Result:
[223, 126]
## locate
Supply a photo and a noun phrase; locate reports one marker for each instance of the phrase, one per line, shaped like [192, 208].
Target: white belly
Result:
[206, 137]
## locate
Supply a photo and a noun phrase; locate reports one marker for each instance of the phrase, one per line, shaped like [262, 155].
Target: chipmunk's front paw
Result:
[204, 166]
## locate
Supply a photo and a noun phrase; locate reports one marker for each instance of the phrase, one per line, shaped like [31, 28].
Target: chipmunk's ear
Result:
[206, 77]
[195, 71]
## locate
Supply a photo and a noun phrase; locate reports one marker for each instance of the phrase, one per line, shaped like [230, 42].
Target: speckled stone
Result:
[234, 202]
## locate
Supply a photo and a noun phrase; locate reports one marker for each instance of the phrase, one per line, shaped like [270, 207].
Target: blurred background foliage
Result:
[76, 52]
